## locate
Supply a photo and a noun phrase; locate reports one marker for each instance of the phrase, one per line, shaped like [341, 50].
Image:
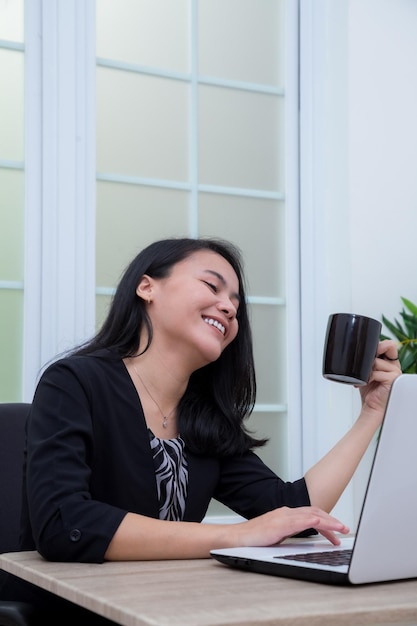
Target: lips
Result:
[213, 322]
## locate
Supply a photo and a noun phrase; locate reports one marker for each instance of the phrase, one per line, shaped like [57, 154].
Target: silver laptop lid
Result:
[385, 546]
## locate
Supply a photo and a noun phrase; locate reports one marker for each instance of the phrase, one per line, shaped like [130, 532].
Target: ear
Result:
[145, 288]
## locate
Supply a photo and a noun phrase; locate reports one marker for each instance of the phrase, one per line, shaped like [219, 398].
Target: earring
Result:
[149, 299]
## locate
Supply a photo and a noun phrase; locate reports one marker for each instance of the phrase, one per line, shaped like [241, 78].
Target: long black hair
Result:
[220, 395]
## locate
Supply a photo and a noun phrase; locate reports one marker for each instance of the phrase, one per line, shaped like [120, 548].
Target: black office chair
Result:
[12, 440]
[12, 445]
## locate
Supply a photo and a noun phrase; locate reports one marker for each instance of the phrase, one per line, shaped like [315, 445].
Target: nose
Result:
[227, 307]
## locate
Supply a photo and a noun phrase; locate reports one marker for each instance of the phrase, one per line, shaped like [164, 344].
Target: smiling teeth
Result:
[215, 323]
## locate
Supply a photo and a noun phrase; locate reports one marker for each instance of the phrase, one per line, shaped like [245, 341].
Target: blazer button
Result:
[75, 534]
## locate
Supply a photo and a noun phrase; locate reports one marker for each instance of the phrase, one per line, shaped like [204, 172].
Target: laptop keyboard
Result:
[330, 557]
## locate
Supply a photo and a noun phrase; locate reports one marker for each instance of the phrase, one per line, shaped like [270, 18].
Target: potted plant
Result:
[405, 332]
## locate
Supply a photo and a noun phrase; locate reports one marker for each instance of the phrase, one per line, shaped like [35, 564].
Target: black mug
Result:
[350, 348]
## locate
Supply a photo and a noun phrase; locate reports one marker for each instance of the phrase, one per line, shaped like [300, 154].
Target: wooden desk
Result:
[207, 593]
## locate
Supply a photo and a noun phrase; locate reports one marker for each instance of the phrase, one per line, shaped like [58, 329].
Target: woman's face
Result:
[193, 310]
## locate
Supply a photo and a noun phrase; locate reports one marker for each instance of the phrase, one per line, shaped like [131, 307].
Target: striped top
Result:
[171, 471]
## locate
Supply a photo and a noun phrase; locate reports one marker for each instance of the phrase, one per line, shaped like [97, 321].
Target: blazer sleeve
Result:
[66, 522]
[250, 488]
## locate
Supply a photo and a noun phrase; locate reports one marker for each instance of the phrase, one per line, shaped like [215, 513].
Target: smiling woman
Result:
[165, 323]
[132, 434]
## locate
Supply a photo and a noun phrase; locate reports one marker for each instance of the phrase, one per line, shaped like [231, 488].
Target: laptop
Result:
[384, 547]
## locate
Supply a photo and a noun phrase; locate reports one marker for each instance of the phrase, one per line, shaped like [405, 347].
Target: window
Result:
[194, 139]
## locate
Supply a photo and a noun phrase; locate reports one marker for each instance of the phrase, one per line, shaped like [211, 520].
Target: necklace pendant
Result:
[165, 422]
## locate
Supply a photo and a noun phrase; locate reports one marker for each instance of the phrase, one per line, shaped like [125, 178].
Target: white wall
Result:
[383, 153]
[382, 157]
[359, 189]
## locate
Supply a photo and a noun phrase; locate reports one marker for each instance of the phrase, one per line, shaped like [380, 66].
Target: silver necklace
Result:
[164, 416]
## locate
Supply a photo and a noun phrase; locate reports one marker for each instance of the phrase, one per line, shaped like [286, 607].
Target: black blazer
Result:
[89, 462]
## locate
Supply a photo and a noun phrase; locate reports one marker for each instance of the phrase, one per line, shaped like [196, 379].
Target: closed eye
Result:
[211, 285]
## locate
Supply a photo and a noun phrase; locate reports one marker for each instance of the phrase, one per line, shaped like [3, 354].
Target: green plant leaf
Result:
[410, 323]
[408, 364]
[398, 332]
[410, 306]
[406, 334]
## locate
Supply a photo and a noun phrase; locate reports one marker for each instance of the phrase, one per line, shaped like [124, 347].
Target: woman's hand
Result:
[275, 526]
[385, 370]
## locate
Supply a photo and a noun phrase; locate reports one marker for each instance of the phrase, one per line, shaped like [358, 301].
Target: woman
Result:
[131, 436]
